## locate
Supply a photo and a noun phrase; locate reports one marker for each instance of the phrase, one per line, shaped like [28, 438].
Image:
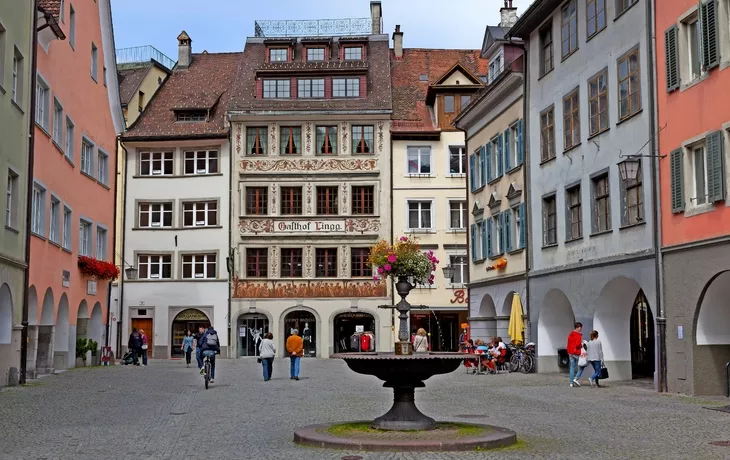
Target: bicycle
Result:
[522, 358]
[206, 371]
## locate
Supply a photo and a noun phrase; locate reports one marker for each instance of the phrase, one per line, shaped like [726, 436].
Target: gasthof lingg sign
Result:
[311, 226]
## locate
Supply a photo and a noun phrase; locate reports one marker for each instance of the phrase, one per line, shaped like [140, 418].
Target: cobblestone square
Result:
[163, 412]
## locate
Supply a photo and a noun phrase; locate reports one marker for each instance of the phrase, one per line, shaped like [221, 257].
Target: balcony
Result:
[317, 27]
[142, 54]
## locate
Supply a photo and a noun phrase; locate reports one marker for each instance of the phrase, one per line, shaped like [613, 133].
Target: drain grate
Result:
[470, 416]
[720, 443]
[351, 457]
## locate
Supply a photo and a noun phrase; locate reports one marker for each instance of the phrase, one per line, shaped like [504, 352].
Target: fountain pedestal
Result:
[404, 415]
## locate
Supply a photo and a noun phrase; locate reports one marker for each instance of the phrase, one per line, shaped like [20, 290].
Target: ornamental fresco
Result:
[308, 165]
[243, 289]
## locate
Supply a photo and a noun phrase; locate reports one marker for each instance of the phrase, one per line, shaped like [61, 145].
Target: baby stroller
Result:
[128, 357]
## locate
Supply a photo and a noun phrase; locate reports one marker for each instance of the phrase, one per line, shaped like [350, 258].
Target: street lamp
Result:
[448, 272]
[131, 273]
[629, 169]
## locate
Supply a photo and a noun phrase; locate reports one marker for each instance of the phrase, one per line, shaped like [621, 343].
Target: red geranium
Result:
[98, 268]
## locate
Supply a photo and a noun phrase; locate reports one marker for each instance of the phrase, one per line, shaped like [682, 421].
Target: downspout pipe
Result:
[120, 320]
[231, 252]
[467, 192]
[29, 198]
[661, 319]
[114, 248]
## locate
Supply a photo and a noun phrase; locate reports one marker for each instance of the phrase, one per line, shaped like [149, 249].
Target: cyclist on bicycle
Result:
[209, 347]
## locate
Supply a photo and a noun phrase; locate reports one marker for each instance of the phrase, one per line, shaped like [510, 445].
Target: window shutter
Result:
[500, 155]
[544, 223]
[488, 237]
[472, 172]
[259, 88]
[363, 86]
[715, 167]
[708, 24]
[672, 58]
[623, 201]
[473, 242]
[520, 144]
[508, 230]
[484, 165]
[568, 223]
[523, 225]
[676, 179]
[507, 165]
[328, 87]
[293, 90]
[594, 208]
[489, 162]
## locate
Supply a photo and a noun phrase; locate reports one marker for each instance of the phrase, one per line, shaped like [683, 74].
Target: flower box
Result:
[98, 269]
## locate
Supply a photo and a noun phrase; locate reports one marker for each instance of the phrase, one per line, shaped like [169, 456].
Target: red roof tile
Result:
[410, 112]
[130, 79]
[206, 84]
[52, 7]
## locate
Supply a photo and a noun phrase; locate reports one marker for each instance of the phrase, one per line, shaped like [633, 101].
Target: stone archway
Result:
[307, 321]
[251, 330]
[62, 358]
[507, 312]
[6, 318]
[344, 324]
[554, 323]
[188, 319]
[712, 336]
[485, 327]
[96, 325]
[46, 333]
[32, 354]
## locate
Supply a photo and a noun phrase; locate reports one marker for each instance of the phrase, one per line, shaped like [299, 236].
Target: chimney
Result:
[376, 14]
[184, 50]
[398, 42]
[508, 14]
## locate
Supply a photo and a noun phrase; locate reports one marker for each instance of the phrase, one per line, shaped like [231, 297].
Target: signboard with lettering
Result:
[310, 226]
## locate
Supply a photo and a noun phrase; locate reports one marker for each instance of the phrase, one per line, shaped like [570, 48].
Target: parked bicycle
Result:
[206, 371]
[523, 358]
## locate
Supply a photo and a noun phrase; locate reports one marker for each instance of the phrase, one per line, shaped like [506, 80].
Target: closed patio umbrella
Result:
[516, 325]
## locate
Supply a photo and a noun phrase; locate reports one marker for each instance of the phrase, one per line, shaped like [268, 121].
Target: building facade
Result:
[430, 88]
[497, 214]
[310, 120]
[77, 119]
[693, 56]
[176, 225]
[590, 104]
[16, 42]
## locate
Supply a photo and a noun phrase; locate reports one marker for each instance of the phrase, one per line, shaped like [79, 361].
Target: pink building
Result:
[78, 117]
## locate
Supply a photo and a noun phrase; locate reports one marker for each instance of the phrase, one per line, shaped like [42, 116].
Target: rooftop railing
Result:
[139, 54]
[316, 27]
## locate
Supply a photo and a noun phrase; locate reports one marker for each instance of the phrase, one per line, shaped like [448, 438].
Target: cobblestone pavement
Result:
[163, 412]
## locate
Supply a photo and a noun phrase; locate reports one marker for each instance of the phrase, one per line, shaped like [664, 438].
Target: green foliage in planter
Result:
[83, 345]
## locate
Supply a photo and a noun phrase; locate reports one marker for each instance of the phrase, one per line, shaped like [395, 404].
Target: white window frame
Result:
[12, 193]
[155, 209]
[516, 227]
[94, 62]
[87, 156]
[102, 167]
[420, 152]
[200, 206]
[38, 208]
[17, 82]
[58, 119]
[102, 242]
[696, 195]
[165, 157]
[70, 138]
[86, 230]
[157, 261]
[54, 227]
[420, 229]
[464, 214]
[494, 159]
[463, 161]
[480, 251]
[496, 66]
[462, 269]
[206, 156]
[513, 153]
[496, 226]
[67, 226]
[196, 262]
[42, 103]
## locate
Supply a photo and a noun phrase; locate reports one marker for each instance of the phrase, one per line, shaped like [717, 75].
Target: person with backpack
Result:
[209, 346]
[135, 345]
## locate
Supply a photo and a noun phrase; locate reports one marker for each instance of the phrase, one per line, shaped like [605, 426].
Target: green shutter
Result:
[672, 58]
[523, 225]
[500, 153]
[484, 166]
[489, 162]
[488, 236]
[520, 144]
[676, 180]
[472, 172]
[715, 167]
[708, 25]
[473, 242]
[507, 136]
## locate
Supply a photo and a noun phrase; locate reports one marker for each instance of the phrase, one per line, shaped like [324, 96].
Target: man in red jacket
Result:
[575, 339]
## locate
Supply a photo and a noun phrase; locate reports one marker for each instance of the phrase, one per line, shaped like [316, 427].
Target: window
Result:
[694, 51]
[198, 266]
[326, 140]
[419, 215]
[190, 115]
[549, 226]
[326, 262]
[574, 221]
[513, 146]
[598, 103]
[623, 5]
[363, 199]
[362, 138]
[547, 134]
[571, 120]
[291, 140]
[257, 201]
[18, 81]
[155, 164]
[359, 265]
[200, 214]
[257, 262]
[67, 226]
[291, 262]
[38, 219]
[201, 162]
[276, 89]
[497, 238]
[699, 174]
[94, 62]
[569, 28]
[152, 215]
[460, 269]
[493, 156]
[140, 101]
[345, 87]
[353, 53]
[595, 16]
[104, 75]
[102, 167]
[327, 200]
[57, 122]
[85, 231]
[54, 232]
[69, 150]
[634, 202]
[256, 141]
[457, 160]
[291, 201]
[278, 54]
[457, 215]
[449, 104]
[517, 230]
[313, 87]
[495, 68]
[602, 204]
[87, 157]
[72, 28]
[3, 34]
[478, 241]
[629, 85]
[101, 243]
[42, 103]
[12, 197]
[315, 54]
[546, 49]
[465, 100]
[478, 168]
[419, 160]
[154, 267]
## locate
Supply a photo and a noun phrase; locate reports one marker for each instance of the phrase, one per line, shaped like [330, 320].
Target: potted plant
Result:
[98, 269]
[403, 261]
[82, 346]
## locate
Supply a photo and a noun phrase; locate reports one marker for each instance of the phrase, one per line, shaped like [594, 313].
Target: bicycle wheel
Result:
[514, 363]
[207, 373]
[528, 364]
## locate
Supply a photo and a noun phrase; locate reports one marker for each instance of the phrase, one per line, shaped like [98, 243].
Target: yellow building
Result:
[430, 87]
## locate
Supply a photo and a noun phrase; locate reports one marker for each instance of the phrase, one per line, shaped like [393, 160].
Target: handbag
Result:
[258, 360]
[604, 372]
[582, 361]
[144, 347]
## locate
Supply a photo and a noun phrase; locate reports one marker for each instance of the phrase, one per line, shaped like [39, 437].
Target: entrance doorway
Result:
[146, 325]
[346, 324]
[251, 330]
[442, 329]
[190, 319]
[642, 339]
[306, 324]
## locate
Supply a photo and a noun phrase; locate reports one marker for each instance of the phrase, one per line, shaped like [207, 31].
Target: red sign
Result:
[460, 296]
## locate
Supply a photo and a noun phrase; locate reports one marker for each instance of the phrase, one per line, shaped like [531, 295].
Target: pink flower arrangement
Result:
[404, 258]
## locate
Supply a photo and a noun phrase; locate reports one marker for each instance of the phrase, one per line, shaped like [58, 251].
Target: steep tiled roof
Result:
[129, 80]
[254, 64]
[410, 112]
[52, 7]
[207, 82]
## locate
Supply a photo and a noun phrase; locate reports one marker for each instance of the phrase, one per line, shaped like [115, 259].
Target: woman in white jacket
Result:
[266, 354]
[595, 357]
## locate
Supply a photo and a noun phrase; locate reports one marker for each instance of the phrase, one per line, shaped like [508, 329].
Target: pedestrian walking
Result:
[595, 357]
[187, 346]
[575, 338]
[268, 351]
[420, 343]
[143, 348]
[135, 344]
[295, 348]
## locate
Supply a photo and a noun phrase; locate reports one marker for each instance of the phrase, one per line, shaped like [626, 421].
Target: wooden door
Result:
[146, 324]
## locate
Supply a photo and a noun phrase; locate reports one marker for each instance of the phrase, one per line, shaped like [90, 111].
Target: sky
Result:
[223, 25]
